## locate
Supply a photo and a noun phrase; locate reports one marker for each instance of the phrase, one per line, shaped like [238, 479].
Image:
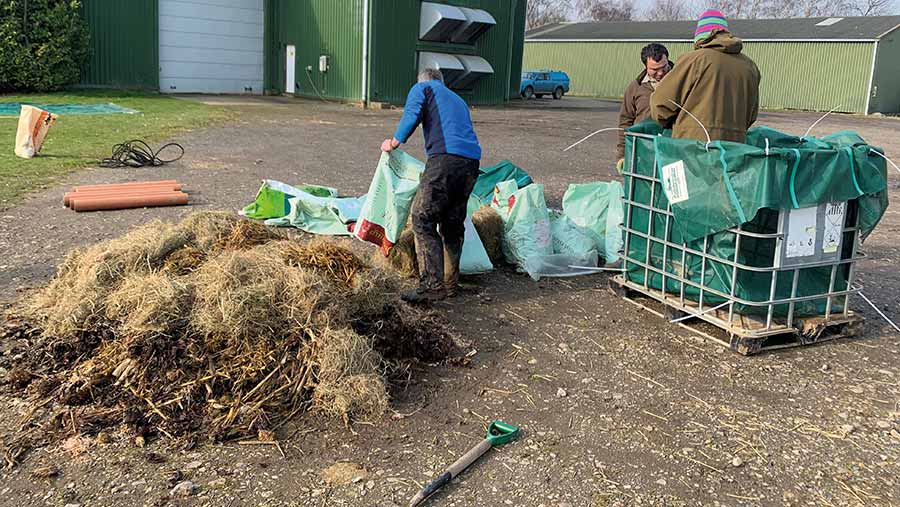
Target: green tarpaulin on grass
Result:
[13, 108]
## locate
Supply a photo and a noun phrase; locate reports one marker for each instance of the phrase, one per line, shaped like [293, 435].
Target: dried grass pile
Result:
[216, 326]
[402, 257]
[490, 229]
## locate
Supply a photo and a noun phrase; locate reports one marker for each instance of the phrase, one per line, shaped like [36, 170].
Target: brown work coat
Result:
[635, 107]
[717, 84]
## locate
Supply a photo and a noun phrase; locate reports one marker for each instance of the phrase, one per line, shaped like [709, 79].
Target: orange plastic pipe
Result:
[144, 189]
[126, 202]
[128, 184]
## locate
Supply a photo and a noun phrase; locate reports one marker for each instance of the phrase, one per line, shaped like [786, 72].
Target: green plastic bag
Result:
[503, 199]
[319, 215]
[567, 237]
[474, 259]
[597, 208]
[527, 223]
[389, 201]
[489, 177]
[272, 199]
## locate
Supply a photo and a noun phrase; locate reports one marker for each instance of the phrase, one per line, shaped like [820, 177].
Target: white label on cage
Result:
[801, 236]
[674, 182]
[834, 226]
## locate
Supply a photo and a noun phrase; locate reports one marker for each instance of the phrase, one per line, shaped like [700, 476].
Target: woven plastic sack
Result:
[569, 238]
[389, 201]
[527, 223]
[598, 209]
[489, 177]
[32, 131]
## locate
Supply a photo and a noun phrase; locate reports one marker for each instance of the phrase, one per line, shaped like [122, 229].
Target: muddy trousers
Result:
[441, 202]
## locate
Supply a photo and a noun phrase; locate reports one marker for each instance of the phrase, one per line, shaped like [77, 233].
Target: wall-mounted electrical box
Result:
[323, 63]
[477, 22]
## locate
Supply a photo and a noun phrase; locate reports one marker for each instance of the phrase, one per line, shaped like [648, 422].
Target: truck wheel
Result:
[558, 93]
[528, 93]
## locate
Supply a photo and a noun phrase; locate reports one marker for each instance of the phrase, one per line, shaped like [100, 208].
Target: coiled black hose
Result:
[137, 153]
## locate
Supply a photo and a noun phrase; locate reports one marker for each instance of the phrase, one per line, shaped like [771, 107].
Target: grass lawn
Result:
[79, 141]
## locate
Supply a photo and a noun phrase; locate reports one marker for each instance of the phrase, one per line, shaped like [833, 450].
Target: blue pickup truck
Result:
[537, 83]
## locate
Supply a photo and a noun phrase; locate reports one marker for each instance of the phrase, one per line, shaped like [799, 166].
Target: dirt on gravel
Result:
[617, 408]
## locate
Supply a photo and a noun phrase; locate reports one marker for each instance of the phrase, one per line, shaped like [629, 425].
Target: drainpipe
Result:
[871, 78]
[365, 54]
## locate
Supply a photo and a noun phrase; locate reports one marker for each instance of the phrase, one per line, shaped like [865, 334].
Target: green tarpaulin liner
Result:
[272, 199]
[489, 177]
[735, 184]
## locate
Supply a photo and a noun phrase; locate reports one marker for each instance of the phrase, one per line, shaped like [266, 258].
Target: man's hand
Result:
[390, 145]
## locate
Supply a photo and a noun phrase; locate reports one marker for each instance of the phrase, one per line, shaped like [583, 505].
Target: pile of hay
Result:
[402, 256]
[215, 325]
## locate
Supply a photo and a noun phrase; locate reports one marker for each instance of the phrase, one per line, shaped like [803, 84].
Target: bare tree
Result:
[756, 9]
[604, 10]
[668, 10]
[874, 7]
[544, 12]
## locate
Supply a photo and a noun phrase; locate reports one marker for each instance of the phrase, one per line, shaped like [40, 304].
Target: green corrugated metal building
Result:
[851, 64]
[349, 50]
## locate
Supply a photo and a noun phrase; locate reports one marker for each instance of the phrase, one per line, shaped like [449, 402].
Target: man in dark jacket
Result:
[636, 102]
[715, 82]
[450, 173]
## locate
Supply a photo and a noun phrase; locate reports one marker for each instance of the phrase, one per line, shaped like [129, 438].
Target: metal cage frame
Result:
[724, 315]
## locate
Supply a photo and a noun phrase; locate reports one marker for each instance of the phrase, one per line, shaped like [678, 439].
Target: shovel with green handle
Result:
[498, 433]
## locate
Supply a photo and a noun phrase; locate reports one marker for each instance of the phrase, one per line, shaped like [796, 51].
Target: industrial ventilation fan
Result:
[454, 25]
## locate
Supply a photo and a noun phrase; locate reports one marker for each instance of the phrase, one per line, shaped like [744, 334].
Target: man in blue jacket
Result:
[450, 173]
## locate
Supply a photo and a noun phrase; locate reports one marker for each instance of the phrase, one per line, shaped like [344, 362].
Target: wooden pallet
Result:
[748, 334]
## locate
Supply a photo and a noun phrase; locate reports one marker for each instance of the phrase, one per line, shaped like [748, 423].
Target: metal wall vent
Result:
[438, 22]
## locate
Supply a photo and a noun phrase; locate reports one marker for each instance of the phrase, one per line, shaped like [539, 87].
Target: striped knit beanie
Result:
[709, 21]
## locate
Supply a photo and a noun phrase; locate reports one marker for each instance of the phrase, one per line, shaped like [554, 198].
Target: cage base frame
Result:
[748, 334]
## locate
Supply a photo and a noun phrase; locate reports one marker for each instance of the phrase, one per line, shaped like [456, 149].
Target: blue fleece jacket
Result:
[445, 121]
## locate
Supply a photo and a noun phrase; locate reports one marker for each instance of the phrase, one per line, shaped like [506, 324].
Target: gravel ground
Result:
[617, 408]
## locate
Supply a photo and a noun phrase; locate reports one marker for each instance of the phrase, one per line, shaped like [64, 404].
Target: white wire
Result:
[817, 121]
[592, 134]
[882, 155]
[883, 316]
[704, 312]
[588, 268]
[708, 139]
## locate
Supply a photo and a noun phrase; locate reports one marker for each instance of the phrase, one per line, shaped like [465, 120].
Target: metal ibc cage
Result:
[783, 279]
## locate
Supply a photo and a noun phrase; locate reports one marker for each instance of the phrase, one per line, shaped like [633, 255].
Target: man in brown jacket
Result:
[636, 102]
[715, 82]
